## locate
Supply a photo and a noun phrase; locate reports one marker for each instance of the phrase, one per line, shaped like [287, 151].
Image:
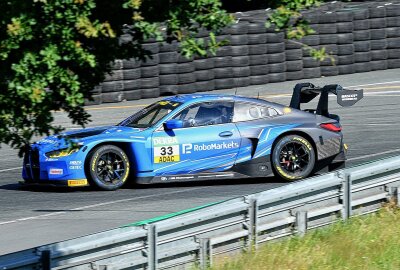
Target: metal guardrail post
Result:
[301, 222]
[252, 214]
[346, 187]
[152, 260]
[395, 194]
[45, 260]
[205, 253]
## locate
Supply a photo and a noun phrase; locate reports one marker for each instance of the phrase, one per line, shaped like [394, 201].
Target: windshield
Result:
[150, 115]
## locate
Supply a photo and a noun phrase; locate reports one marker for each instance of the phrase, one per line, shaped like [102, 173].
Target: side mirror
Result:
[173, 124]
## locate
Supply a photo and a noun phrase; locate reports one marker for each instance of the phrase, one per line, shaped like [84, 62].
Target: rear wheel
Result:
[108, 167]
[293, 158]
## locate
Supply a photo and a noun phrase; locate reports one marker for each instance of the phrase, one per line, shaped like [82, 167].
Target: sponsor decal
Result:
[77, 183]
[75, 162]
[75, 165]
[349, 97]
[93, 167]
[304, 142]
[181, 177]
[165, 141]
[189, 148]
[128, 166]
[191, 177]
[166, 149]
[54, 171]
[279, 169]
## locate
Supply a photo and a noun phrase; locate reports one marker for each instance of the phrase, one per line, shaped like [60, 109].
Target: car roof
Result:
[194, 98]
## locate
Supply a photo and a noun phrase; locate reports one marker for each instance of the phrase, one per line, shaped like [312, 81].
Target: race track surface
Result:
[32, 217]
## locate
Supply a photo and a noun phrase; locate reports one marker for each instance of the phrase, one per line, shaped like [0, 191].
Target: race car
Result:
[198, 137]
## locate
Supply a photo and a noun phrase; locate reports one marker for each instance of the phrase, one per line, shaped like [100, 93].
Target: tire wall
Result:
[360, 37]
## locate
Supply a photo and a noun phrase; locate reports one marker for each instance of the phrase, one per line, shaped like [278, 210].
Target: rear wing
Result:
[305, 92]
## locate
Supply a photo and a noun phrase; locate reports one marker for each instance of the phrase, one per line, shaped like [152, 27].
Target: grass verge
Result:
[366, 242]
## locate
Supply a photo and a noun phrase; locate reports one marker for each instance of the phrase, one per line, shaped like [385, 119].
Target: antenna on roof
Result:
[258, 95]
[235, 91]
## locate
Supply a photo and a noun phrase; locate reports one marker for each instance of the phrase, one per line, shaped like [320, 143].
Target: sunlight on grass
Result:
[367, 242]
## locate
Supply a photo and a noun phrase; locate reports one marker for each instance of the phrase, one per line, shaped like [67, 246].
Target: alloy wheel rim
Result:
[294, 158]
[110, 168]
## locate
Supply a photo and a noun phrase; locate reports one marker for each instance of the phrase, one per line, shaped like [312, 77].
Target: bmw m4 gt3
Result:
[198, 137]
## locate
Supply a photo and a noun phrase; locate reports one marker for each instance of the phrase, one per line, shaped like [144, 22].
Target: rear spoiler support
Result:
[305, 92]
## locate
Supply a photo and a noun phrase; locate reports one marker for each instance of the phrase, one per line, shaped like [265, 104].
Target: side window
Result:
[251, 111]
[206, 113]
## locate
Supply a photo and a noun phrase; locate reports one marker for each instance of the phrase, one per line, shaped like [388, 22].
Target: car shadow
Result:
[226, 182]
[52, 189]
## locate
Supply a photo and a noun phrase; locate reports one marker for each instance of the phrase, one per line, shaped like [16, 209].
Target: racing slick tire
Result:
[293, 158]
[107, 167]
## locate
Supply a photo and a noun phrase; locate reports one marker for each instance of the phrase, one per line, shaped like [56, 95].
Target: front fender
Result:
[138, 150]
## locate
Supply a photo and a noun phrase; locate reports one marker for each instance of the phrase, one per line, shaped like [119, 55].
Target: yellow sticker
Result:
[287, 110]
[166, 159]
[345, 146]
[77, 183]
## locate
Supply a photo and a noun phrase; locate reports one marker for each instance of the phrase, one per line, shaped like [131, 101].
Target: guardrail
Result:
[194, 238]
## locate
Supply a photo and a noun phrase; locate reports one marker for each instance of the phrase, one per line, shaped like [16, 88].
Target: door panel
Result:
[193, 150]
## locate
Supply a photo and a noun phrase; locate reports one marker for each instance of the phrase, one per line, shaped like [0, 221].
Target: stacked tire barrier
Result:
[359, 37]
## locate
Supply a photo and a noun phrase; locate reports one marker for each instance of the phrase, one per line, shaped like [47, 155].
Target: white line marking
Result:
[374, 155]
[377, 95]
[11, 169]
[369, 84]
[389, 124]
[97, 205]
[381, 92]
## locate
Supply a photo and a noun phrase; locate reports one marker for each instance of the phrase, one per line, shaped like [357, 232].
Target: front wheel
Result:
[108, 167]
[293, 158]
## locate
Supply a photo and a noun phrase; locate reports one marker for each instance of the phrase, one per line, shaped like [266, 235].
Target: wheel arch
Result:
[296, 132]
[125, 146]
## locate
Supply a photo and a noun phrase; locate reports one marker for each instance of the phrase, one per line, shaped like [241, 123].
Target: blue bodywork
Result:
[202, 151]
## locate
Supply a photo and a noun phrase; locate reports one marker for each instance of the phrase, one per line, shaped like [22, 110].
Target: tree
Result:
[54, 52]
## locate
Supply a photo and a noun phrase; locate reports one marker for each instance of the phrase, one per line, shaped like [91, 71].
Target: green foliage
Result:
[53, 52]
[287, 16]
[362, 243]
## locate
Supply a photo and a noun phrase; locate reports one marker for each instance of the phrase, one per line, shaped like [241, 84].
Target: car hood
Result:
[89, 132]
[82, 136]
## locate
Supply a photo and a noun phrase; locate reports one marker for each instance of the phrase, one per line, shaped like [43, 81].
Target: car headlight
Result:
[62, 152]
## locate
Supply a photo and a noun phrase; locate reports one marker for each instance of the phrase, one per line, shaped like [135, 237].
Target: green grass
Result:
[367, 242]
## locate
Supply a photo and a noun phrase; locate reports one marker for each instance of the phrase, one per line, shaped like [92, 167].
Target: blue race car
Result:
[198, 137]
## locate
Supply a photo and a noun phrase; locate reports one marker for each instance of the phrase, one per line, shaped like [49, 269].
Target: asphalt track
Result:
[32, 217]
